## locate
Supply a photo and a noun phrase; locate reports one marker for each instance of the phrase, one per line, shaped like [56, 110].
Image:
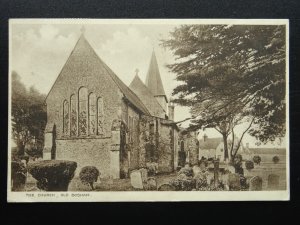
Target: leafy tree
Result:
[28, 115]
[229, 74]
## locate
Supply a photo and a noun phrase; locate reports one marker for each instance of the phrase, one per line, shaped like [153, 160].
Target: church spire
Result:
[154, 83]
[153, 79]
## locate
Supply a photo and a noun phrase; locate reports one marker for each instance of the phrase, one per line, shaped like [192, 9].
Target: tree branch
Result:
[240, 141]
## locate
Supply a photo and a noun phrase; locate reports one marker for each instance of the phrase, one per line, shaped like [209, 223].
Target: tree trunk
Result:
[225, 147]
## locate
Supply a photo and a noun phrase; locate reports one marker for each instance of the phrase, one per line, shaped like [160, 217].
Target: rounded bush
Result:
[53, 175]
[18, 175]
[275, 159]
[249, 165]
[257, 159]
[89, 175]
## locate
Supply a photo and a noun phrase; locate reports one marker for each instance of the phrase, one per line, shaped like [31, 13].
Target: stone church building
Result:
[94, 119]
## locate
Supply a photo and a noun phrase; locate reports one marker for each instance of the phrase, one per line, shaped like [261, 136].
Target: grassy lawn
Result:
[115, 184]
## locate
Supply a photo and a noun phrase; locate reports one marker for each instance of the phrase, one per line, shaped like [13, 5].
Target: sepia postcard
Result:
[114, 110]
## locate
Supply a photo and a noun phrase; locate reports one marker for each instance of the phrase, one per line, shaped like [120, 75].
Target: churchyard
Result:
[266, 175]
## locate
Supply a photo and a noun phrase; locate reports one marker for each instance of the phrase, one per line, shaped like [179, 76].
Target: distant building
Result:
[93, 118]
[214, 148]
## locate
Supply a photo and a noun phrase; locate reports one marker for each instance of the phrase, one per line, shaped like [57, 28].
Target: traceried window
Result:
[100, 116]
[66, 117]
[73, 117]
[92, 114]
[82, 106]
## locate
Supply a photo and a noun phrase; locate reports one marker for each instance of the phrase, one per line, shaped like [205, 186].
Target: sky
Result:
[39, 50]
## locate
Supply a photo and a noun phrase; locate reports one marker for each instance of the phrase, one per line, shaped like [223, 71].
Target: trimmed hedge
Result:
[257, 159]
[275, 159]
[89, 175]
[249, 165]
[53, 175]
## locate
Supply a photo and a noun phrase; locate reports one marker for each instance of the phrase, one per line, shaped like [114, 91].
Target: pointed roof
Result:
[153, 79]
[141, 90]
[210, 143]
[83, 51]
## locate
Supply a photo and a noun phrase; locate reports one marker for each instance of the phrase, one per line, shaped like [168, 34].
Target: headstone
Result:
[166, 187]
[136, 179]
[224, 179]
[196, 169]
[255, 184]
[273, 182]
[231, 169]
[234, 182]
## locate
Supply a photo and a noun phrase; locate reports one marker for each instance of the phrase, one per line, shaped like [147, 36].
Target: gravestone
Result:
[231, 169]
[166, 187]
[136, 179]
[196, 169]
[255, 184]
[234, 182]
[273, 182]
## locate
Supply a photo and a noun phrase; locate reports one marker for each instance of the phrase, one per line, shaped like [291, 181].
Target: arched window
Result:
[66, 117]
[82, 111]
[100, 116]
[73, 118]
[92, 114]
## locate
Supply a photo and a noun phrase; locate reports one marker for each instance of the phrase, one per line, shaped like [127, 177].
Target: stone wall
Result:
[82, 72]
[156, 143]
[165, 149]
[191, 146]
[86, 152]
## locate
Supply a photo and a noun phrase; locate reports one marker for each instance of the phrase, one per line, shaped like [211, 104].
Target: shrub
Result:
[35, 152]
[25, 157]
[237, 163]
[238, 159]
[188, 171]
[249, 165]
[18, 175]
[275, 159]
[183, 183]
[152, 168]
[201, 180]
[53, 175]
[166, 187]
[257, 159]
[243, 181]
[89, 175]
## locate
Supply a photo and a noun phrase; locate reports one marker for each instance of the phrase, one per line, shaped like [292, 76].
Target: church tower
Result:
[154, 83]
